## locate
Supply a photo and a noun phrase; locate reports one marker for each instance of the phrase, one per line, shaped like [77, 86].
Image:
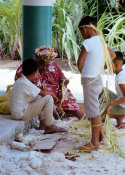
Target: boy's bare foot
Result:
[54, 129]
[89, 147]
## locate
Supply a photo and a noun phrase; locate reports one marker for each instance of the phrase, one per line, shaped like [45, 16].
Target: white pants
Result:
[41, 107]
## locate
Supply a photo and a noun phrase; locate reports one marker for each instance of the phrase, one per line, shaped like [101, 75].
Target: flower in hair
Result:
[45, 53]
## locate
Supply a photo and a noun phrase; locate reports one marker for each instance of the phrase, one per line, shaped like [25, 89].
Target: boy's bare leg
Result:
[97, 135]
[96, 125]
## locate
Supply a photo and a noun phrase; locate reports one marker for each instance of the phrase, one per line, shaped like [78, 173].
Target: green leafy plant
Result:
[116, 31]
[11, 22]
[66, 36]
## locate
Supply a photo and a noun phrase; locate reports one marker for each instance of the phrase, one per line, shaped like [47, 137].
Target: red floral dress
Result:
[51, 78]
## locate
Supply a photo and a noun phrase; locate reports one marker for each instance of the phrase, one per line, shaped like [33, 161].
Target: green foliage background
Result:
[66, 38]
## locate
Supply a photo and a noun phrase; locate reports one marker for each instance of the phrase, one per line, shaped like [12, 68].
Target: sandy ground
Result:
[29, 162]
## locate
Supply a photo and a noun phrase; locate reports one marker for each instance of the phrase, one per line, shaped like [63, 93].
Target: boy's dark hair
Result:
[87, 21]
[29, 66]
[119, 57]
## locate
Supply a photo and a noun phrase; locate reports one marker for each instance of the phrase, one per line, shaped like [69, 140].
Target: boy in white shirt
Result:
[90, 64]
[116, 107]
[28, 101]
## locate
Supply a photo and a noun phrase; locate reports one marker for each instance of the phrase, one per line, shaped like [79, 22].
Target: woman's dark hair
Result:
[87, 21]
[29, 66]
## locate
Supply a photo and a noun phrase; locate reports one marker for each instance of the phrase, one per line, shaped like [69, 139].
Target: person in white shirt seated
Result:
[28, 101]
[116, 107]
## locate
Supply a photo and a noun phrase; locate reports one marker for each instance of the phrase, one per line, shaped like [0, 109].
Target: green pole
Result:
[37, 26]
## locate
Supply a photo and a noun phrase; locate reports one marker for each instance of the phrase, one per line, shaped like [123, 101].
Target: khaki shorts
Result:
[91, 90]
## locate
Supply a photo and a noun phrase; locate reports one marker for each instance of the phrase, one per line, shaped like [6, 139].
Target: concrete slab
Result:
[9, 128]
[47, 142]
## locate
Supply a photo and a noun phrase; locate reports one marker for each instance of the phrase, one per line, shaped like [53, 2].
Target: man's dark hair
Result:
[119, 57]
[87, 21]
[29, 66]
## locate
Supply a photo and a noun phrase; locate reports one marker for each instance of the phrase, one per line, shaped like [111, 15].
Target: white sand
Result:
[15, 162]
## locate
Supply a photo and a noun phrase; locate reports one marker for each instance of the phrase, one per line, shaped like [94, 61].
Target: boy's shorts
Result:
[91, 90]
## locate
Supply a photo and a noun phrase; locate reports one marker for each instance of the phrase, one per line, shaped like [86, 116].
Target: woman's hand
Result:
[66, 82]
[53, 95]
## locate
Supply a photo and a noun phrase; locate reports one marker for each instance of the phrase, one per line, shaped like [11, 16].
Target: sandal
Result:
[88, 149]
[57, 130]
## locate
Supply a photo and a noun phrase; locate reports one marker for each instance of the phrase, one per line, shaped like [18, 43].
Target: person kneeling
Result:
[28, 101]
[116, 107]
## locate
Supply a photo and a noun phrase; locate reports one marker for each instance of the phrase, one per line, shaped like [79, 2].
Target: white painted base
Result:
[37, 2]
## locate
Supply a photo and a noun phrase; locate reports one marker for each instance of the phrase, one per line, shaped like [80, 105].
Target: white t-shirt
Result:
[120, 79]
[22, 94]
[94, 61]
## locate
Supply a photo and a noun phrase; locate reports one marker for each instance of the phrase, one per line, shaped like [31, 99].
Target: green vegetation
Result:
[67, 14]
[10, 28]
[66, 38]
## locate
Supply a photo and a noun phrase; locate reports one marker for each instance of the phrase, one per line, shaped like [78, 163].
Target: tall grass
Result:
[66, 36]
[10, 24]
[116, 32]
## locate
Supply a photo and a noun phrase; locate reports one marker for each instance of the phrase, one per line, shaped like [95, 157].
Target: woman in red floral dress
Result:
[51, 78]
